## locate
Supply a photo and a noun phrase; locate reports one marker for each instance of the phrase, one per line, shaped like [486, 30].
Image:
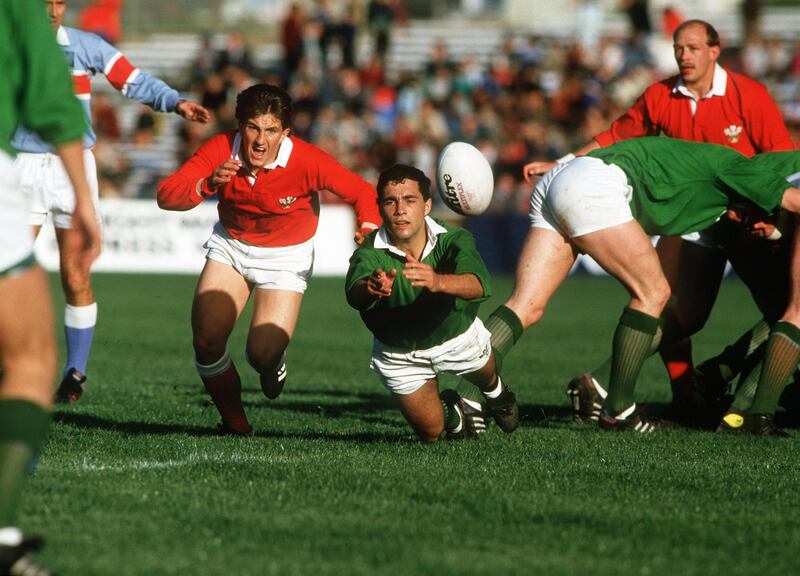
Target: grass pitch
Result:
[134, 481]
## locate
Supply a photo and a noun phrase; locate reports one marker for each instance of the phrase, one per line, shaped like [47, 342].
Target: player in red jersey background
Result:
[267, 183]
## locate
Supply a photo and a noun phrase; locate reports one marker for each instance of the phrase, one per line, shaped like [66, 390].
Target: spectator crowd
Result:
[534, 97]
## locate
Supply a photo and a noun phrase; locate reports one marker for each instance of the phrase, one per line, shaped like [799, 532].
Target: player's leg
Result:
[423, 410]
[28, 358]
[544, 263]
[219, 299]
[694, 272]
[80, 319]
[501, 402]
[470, 355]
[80, 310]
[275, 314]
[625, 252]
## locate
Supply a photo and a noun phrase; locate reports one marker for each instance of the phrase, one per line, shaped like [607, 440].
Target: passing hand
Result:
[380, 283]
[421, 274]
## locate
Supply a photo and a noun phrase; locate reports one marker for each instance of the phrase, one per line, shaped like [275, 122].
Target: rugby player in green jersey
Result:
[418, 284]
[36, 91]
[605, 205]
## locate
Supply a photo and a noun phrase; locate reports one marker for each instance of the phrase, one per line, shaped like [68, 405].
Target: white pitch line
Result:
[191, 460]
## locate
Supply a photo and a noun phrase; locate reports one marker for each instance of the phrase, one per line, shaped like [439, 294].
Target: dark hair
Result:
[260, 99]
[400, 172]
[711, 32]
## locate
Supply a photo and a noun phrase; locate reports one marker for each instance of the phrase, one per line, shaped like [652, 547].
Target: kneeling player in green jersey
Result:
[418, 283]
[605, 205]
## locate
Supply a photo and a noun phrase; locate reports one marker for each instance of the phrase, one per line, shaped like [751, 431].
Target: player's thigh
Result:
[544, 263]
[27, 340]
[694, 273]
[219, 299]
[423, 410]
[275, 314]
[626, 252]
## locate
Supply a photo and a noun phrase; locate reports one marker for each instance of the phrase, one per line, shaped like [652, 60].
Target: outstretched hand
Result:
[536, 169]
[380, 283]
[192, 111]
[421, 274]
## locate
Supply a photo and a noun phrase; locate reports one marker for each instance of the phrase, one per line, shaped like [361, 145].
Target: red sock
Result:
[678, 361]
[225, 389]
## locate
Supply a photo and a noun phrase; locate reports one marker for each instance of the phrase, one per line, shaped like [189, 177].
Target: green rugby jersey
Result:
[413, 317]
[681, 187]
[37, 89]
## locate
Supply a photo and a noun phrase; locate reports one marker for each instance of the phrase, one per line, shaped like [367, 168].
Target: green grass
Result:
[133, 481]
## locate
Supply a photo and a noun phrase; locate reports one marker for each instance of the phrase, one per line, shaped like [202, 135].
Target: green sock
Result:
[780, 362]
[506, 328]
[23, 427]
[748, 384]
[602, 374]
[633, 343]
[734, 359]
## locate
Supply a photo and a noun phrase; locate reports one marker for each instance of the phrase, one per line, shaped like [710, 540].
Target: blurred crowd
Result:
[534, 97]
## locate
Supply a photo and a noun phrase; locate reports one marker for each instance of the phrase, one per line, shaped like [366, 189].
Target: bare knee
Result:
[208, 346]
[429, 433]
[653, 299]
[529, 313]
[264, 358]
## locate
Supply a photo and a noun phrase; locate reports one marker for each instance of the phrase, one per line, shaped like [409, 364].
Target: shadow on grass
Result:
[150, 428]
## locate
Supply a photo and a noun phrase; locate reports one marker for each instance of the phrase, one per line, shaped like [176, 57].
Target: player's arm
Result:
[366, 291]
[791, 200]
[635, 122]
[200, 177]
[539, 167]
[351, 188]
[137, 85]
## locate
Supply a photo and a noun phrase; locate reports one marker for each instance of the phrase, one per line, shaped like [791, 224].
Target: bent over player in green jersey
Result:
[605, 205]
[418, 283]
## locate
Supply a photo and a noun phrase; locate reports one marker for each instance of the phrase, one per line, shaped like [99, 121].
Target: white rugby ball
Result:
[464, 179]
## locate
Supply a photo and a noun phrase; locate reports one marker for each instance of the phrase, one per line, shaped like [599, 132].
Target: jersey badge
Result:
[733, 132]
[287, 202]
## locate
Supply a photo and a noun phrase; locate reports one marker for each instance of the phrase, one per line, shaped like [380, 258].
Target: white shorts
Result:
[280, 268]
[405, 372]
[44, 179]
[16, 235]
[581, 196]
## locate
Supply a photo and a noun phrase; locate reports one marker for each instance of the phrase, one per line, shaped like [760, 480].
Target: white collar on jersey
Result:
[433, 229]
[280, 160]
[718, 84]
[61, 36]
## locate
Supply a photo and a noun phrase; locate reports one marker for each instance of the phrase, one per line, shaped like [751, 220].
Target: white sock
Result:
[10, 536]
[496, 391]
[80, 316]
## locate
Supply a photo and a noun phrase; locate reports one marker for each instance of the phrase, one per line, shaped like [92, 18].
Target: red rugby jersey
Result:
[282, 207]
[745, 118]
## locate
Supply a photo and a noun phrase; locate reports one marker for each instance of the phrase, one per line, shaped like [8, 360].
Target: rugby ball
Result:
[464, 179]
